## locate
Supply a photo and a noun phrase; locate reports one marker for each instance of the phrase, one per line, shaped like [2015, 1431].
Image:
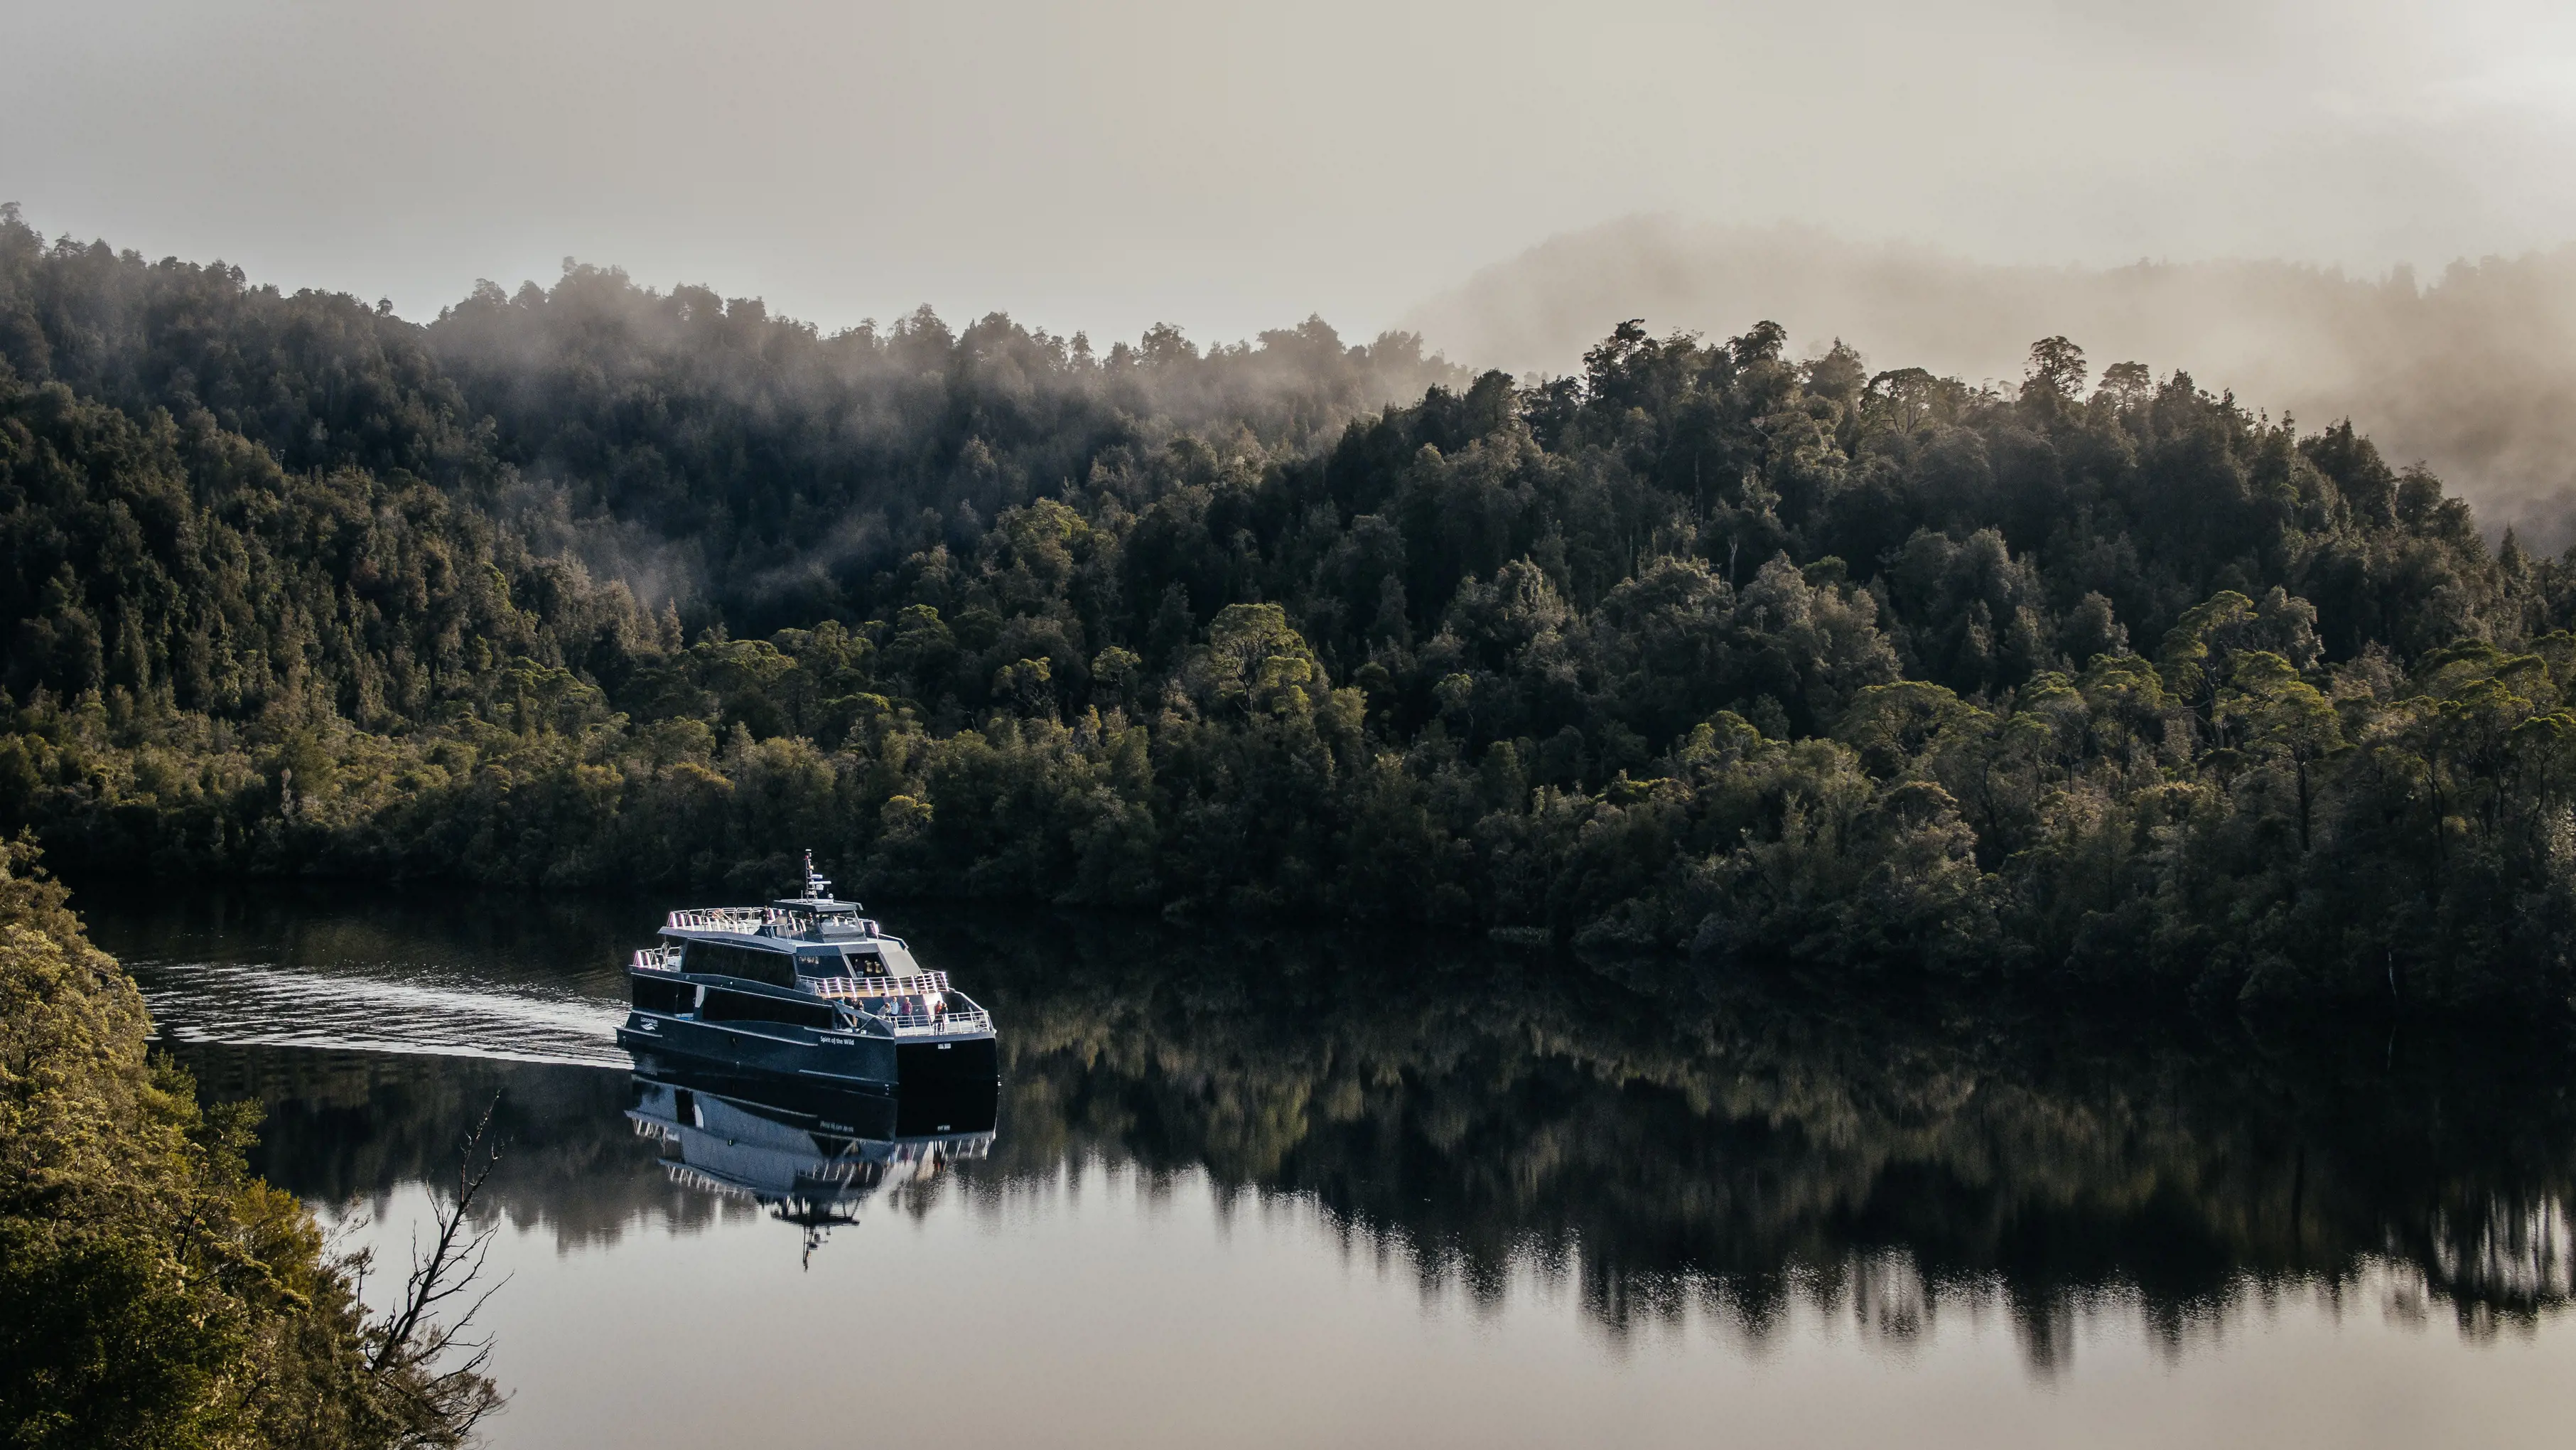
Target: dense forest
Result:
[2097, 682]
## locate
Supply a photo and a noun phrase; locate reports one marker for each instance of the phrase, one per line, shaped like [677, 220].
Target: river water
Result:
[1282, 1190]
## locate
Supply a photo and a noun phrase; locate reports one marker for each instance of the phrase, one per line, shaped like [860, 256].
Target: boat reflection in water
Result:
[809, 1153]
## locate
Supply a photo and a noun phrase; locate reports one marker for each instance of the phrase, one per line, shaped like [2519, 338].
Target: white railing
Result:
[853, 988]
[848, 989]
[723, 918]
[931, 1019]
[938, 1024]
[751, 919]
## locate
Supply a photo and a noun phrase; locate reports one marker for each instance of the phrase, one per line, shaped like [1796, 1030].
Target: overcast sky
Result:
[1111, 164]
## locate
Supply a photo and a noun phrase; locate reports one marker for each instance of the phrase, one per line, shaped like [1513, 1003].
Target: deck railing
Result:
[750, 920]
[938, 1024]
[745, 919]
[847, 989]
[923, 1023]
[853, 988]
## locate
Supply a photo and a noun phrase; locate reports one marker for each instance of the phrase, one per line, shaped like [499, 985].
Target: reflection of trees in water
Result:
[1677, 1150]
[1664, 1148]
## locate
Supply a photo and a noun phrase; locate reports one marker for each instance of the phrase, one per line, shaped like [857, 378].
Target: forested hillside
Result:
[2099, 681]
[152, 1291]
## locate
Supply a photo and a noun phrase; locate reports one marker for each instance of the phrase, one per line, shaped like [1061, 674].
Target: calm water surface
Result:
[1254, 1191]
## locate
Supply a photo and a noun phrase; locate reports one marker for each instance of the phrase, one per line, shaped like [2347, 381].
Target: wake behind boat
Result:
[805, 987]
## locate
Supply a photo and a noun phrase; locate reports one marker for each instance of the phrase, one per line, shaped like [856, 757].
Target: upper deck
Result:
[822, 948]
[817, 916]
[783, 921]
[782, 930]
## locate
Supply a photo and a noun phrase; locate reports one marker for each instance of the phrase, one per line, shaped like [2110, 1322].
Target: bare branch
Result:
[423, 1362]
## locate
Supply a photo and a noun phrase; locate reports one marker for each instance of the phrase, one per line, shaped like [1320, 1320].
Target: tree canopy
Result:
[152, 1291]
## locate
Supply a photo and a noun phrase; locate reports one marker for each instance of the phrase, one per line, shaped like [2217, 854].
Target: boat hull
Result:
[786, 1051]
[939, 1064]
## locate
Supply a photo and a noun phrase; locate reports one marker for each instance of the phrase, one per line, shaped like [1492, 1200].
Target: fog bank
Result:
[2471, 372]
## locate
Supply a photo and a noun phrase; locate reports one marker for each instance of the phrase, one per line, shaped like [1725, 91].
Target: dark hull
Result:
[796, 1052]
[945, 1064]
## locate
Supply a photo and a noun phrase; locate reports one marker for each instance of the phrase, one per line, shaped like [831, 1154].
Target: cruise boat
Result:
[805, 987]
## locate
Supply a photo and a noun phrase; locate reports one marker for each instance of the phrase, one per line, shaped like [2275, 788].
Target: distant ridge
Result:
[2473, 374]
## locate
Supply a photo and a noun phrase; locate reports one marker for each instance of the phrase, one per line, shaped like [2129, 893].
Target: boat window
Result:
[654, 995]
[724, 959]
[724, 1006]
[820, 964]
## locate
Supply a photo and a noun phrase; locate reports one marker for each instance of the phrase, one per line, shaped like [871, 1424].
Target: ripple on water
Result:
[267, 1005]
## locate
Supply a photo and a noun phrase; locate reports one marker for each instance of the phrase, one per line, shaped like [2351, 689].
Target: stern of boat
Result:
[939, 1064]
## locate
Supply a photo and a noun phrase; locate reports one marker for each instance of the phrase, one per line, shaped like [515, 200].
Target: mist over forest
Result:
[2469, 369]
